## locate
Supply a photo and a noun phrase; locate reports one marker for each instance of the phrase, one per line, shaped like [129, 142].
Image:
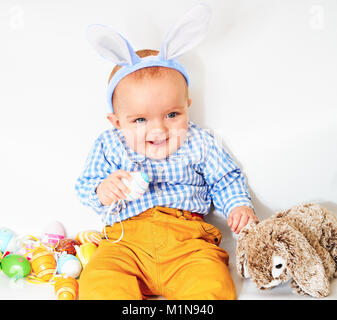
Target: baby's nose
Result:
[157, 131]
[158, 127]
[157, 134]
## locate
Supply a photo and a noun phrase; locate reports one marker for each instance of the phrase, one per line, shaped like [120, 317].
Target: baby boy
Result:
[166, 247]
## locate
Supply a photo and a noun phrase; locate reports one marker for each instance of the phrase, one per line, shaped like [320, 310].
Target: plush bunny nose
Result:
[271, 284]
[278, 266]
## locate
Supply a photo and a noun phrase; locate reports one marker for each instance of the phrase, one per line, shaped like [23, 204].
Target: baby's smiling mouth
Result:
[158, 142]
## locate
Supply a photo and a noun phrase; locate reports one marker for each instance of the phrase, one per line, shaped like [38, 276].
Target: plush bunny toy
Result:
[298, 244]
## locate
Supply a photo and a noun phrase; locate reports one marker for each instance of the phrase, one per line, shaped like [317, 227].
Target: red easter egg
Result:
[67, 245]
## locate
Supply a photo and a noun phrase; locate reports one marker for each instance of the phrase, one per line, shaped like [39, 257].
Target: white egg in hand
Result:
[138, 185]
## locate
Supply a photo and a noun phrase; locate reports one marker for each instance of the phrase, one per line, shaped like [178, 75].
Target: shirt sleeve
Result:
[227, 185]
[97, 168]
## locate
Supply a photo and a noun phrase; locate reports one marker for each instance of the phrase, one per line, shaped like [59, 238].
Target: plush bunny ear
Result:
[303, 262]
[111, 45]
[242, 245]
[188, 32]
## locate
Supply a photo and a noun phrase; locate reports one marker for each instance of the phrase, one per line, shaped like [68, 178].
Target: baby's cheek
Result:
[177, 138]
[174, 144]
[135, 139]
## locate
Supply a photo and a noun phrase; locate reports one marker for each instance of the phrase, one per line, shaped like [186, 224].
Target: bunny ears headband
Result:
[188, 32]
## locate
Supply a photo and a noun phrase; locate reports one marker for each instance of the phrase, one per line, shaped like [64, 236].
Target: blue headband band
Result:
[151, 61]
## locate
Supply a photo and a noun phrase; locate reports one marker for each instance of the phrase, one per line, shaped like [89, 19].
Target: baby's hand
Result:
[239, 217]
[112, 188]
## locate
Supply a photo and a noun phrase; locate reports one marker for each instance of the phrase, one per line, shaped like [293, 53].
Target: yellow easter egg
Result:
[85, 251]
[89, 237]
[43, 263]
[66, 288]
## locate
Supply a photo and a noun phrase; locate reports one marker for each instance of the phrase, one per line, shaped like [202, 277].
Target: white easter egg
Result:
[55, 227]
[138, 185]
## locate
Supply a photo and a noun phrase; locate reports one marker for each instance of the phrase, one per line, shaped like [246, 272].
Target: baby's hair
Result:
[149, 71]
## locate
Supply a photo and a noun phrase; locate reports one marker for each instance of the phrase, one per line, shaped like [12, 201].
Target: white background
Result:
[264, 79]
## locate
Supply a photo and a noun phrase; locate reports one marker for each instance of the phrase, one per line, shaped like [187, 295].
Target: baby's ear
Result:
[113, 119]
[189, 101]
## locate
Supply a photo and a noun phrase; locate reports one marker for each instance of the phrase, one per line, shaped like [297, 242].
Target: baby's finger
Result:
[112, 196]
[244, 220]
[123, 187]
[115, 188]
[124, 174]
[229, 221]
[110, 192]
[253, 218]
[120, 185]
[236, 221]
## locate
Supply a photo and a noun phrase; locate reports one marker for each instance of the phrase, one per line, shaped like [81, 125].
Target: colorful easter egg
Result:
[28, 244]
[6, 236]
[53, 233]
[69, 265]
[66, 288]
[89, 237]
[138, 185]
[43, 263]
[67, 245]
[85, 251]
[15, 266]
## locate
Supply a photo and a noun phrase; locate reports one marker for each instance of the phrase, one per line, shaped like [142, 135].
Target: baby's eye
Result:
[140, 120]
[172, 114]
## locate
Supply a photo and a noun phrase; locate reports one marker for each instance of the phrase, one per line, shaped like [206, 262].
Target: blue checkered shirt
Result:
[198, 173]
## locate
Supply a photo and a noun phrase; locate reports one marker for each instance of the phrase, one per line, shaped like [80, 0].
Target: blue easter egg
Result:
[5, 237]
[69, 265]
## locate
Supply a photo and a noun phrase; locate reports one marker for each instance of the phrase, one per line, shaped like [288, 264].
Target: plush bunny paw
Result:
[296, 288]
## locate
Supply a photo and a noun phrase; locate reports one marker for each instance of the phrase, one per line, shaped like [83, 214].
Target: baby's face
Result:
[152, 113]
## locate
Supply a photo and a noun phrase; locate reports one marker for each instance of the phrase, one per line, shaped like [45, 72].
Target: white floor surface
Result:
[246, 290]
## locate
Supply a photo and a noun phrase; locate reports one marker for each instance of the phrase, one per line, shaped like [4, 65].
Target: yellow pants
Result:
[159, 254]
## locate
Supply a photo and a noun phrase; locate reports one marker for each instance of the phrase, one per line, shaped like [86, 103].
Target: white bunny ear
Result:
[188, 32]
[111, 45]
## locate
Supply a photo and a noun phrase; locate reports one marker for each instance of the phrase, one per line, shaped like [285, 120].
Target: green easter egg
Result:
[15, 266]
